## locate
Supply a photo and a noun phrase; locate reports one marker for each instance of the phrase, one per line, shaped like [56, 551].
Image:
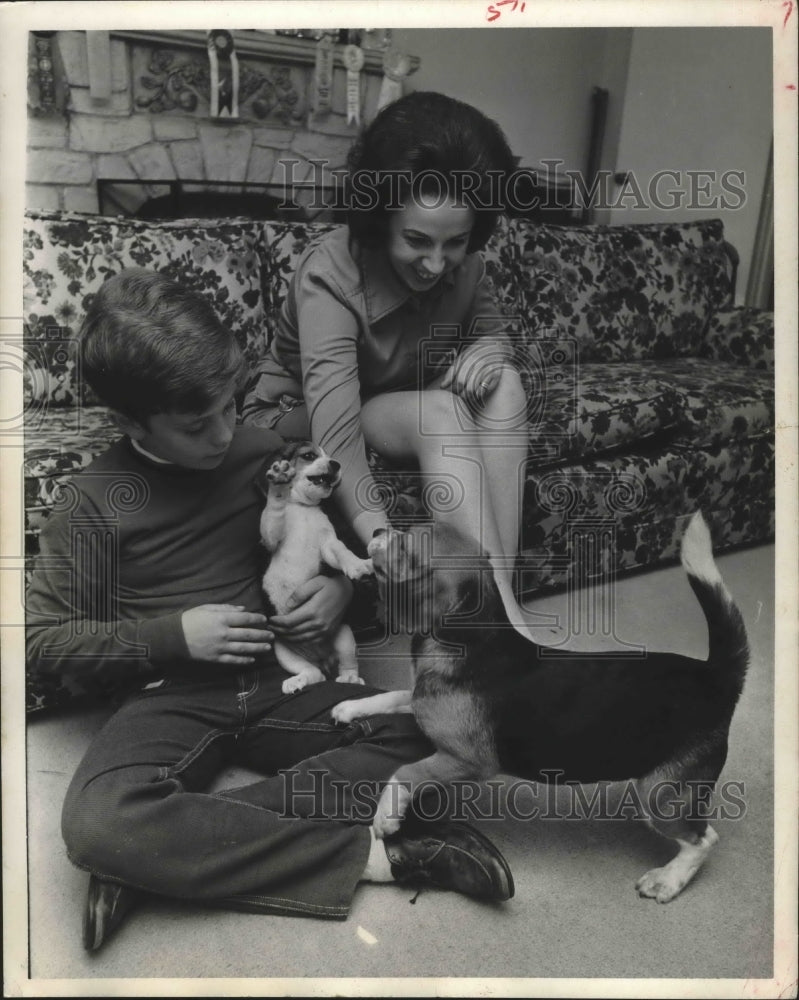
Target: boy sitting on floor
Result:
[151, 581]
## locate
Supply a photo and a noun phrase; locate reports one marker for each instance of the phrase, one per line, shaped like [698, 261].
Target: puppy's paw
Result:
[661, 884]
[347, 711]
[280, 472]
[357, 569]
[350, 677]
[299, 681]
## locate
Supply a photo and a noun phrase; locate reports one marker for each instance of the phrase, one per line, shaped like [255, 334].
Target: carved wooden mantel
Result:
[171, 72]
[262, 45]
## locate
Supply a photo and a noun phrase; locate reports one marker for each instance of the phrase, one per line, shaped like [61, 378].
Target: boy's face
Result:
[191, 440]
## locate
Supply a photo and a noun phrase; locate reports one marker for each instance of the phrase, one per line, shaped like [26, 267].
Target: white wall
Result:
[535, 82]
[700, 99]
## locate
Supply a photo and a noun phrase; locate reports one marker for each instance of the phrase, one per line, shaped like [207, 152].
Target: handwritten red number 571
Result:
[493, 9]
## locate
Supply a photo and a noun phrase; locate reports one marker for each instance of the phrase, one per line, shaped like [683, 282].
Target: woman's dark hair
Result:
[149, 345]
[427, 142]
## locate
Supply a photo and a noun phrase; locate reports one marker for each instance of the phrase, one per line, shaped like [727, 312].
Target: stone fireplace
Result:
[138, 107]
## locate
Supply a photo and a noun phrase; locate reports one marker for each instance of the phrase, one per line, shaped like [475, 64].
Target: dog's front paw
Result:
[299, 681]
[350, 677]
[661, 884]
[391, 810]
[280, 472]
[357, 569]
[347, 711]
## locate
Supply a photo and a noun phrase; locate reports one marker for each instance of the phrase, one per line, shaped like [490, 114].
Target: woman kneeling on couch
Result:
[389, 336]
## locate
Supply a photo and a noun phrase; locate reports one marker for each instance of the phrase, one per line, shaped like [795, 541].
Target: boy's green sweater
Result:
[136, 544]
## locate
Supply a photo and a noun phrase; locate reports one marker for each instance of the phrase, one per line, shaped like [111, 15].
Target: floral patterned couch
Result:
[650, 394]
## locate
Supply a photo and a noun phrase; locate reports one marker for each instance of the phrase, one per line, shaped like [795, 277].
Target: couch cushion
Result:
[578, 410]
[719, 402]
[498, 259]
[621, 292]
[59, 443]
[742, 334]
[581, 410]
[622, 512]
[67, 257]
[282, 246]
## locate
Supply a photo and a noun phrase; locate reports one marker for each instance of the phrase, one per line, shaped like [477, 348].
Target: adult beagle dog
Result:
[301, 540]
[492, 701]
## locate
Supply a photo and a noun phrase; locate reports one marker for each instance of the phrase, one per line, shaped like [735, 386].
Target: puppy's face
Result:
[313, 474]
[427, 573]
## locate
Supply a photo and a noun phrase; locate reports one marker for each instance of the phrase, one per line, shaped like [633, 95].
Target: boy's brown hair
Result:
[150, 345]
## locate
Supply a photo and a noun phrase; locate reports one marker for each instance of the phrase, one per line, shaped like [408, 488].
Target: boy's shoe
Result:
[107, 905]
[452, 856]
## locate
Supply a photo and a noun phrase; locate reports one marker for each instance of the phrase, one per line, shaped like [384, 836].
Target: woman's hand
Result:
[476, 371]
[319, 607]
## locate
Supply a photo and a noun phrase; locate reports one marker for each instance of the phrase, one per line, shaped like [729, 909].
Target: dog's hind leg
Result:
[678, 807]
[303, 671]
[347, 654]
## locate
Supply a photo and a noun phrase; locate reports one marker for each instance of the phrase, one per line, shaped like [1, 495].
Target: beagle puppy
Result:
[301, 540]
[493, 702]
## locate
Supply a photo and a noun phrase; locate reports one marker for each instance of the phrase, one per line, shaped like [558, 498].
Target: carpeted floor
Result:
[575, 912]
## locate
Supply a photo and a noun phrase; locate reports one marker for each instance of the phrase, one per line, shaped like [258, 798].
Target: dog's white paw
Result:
[347, 711]
[291, 685]
[350, 677]
[359, 568]
[280, 472]
[385, 826]
[391, 810]
[661, 884]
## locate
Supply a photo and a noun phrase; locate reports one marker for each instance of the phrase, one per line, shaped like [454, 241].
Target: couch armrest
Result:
[743, 335]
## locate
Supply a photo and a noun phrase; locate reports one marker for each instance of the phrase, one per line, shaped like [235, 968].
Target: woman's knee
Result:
[509, 392]
[391, 424]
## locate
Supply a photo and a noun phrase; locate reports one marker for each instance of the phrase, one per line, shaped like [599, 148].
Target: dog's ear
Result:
[298, 449]
[288, 451]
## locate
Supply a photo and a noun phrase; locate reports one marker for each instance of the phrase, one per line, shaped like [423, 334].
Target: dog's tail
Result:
[728, 644]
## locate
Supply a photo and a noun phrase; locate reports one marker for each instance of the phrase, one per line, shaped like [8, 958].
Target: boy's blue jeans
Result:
[138, 809]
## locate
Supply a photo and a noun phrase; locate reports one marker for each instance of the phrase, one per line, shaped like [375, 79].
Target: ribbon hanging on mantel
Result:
[224, 74]
[353, 61]
[323, 76]
[396, 66]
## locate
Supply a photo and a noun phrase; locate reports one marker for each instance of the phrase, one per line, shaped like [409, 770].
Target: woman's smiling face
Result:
[427, 239]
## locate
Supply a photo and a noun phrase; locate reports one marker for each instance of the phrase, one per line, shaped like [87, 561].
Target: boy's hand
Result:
[319, 607]
[225, 633]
